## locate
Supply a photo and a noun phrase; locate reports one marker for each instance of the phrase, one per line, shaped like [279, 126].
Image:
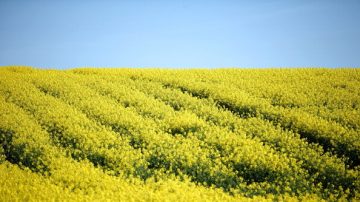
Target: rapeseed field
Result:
[103, 134]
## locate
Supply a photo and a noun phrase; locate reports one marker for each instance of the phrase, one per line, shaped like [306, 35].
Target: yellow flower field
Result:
[103, 134]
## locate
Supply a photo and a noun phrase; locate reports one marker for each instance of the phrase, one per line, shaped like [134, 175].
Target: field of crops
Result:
[179, 135]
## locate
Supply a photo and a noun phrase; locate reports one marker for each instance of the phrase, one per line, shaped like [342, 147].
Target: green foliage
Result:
[182, 135]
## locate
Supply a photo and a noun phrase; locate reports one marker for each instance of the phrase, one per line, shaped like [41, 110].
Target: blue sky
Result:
[180, 34]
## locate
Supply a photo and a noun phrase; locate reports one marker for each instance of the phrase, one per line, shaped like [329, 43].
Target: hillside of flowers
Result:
[117, 134]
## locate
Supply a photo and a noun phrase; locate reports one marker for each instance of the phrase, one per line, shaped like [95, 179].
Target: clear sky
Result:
[180, 34]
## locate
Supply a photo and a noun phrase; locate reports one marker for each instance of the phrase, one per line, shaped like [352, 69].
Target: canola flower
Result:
[186, 135]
